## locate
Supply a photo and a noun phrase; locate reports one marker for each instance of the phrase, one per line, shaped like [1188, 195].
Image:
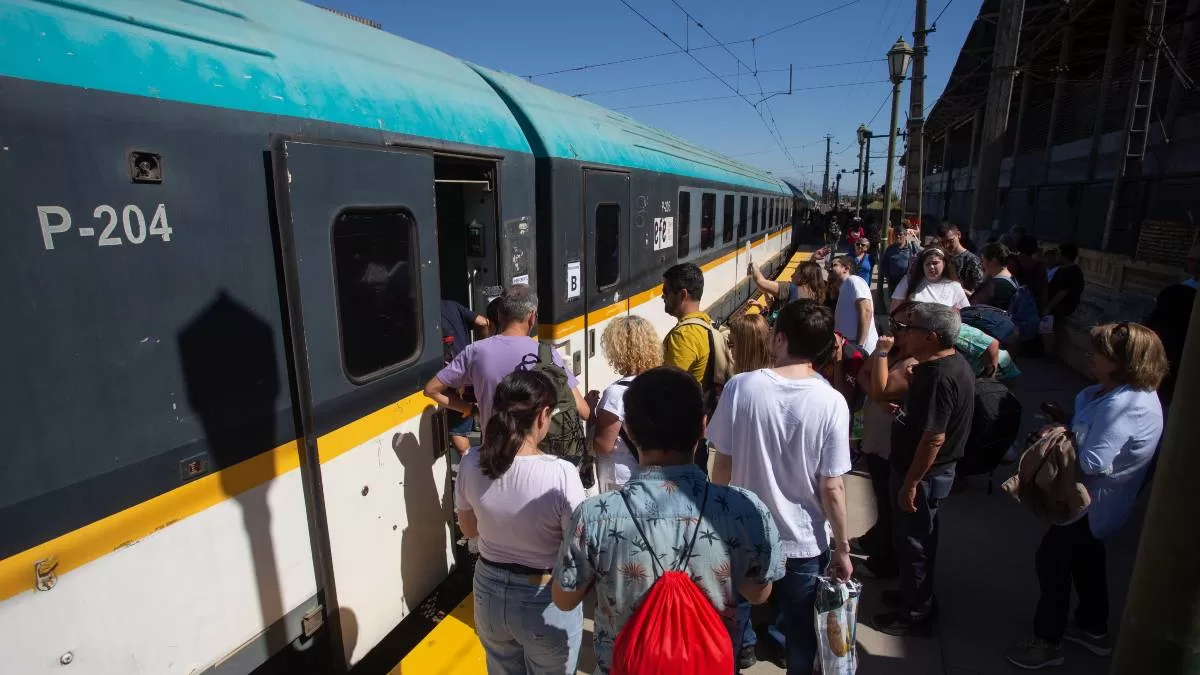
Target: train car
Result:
[618, 203]
[230, 225]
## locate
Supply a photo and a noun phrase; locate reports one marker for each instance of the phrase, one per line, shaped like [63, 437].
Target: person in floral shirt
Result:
[737, 548]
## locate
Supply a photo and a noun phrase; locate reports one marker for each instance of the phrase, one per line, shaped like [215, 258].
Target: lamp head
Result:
[899, 57]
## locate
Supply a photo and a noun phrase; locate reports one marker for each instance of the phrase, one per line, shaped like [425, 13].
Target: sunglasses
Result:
[898, 326]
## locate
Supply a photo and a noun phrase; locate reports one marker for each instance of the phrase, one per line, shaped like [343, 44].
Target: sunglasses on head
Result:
[898, 326]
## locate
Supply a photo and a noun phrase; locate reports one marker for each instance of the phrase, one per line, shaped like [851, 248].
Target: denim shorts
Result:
[520, 628]
[459, 424]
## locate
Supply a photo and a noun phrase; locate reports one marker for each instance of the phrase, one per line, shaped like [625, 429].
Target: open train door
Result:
[357, 244]
[606, 218]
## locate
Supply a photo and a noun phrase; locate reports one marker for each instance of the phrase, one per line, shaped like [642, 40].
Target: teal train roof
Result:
[286, 57]
[280, 57]
[571, 128]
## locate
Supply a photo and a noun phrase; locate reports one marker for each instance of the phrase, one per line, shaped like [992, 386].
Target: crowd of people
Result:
[773, 399]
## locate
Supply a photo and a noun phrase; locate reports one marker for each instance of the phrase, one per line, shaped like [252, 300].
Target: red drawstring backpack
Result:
[676, 631]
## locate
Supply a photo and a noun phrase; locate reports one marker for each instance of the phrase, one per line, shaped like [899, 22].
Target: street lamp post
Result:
[898, 58]
[863, 133]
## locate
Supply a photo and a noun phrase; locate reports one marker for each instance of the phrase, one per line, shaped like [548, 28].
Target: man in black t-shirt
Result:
[928, 437]
[1064, 292]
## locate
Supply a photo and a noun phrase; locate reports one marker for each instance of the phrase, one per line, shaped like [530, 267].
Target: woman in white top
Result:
[518, 501]
[632, 347]
[931, 280]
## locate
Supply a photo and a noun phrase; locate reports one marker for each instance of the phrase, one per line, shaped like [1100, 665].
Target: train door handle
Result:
[591, 343]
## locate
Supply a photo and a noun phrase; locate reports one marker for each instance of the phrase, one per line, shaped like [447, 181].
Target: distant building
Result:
[365, 22]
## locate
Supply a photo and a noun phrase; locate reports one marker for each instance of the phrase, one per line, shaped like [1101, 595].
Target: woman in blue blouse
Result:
[1117, 426]
[862, 256]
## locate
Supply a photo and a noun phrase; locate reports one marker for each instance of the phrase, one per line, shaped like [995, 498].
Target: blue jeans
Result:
[793, 597]
[915, 536]
[522, 632]
[748, 638]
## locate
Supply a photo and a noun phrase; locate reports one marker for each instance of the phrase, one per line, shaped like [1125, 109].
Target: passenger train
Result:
[229, 225]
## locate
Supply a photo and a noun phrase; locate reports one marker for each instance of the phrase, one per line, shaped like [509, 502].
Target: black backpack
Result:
[566, 438]
[994, 427]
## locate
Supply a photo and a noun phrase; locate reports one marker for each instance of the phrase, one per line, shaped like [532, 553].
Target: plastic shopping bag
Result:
[1046, 326]
[837, 626]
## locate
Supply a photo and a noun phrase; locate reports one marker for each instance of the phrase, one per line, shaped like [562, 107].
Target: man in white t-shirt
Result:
[783, 433]
[854, 317]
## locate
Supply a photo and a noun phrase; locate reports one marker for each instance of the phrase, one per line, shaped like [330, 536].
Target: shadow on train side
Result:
[425, 512]
[229, 365]
[230, 368]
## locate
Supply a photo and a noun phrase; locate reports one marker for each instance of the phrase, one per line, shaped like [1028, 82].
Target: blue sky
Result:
[529, 37]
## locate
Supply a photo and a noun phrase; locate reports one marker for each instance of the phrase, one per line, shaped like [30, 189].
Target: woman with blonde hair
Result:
[750, 343]
[632, 347]
[1117, 425]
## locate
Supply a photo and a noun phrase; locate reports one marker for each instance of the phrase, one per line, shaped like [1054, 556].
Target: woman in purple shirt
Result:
[517, 501]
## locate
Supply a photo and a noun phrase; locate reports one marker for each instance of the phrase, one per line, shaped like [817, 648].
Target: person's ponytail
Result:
[502, 438]
[520, 397]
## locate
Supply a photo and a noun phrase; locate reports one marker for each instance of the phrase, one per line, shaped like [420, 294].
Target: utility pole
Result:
[995, 118]
[825, 183]
[914, 163]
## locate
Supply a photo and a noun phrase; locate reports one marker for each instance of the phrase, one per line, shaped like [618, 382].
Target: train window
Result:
[727, 220]
[607, 257]
[685, 222]
[765, 225]
[374, 256]
[708, 220]
[754, 216]
[743, 207]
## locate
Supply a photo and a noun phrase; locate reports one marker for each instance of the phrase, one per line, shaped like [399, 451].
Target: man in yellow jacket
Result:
[686, 346]
[694, 345]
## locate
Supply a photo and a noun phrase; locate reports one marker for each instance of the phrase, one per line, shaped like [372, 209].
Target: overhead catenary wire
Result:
[666, 84]
[877, 110]
[774, 134]
[933, 24]
[709, 77]
[790, 147]
[891, 10]
[688, 48]
[737, 95]
[772, 125]
[806, 19]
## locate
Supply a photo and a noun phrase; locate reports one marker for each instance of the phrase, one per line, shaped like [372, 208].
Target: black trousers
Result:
[878, 540]
[1071, 555]
[916, 536]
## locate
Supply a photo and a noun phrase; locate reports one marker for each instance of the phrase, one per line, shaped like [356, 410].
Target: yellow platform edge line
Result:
[451, 648]
[791, 265]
